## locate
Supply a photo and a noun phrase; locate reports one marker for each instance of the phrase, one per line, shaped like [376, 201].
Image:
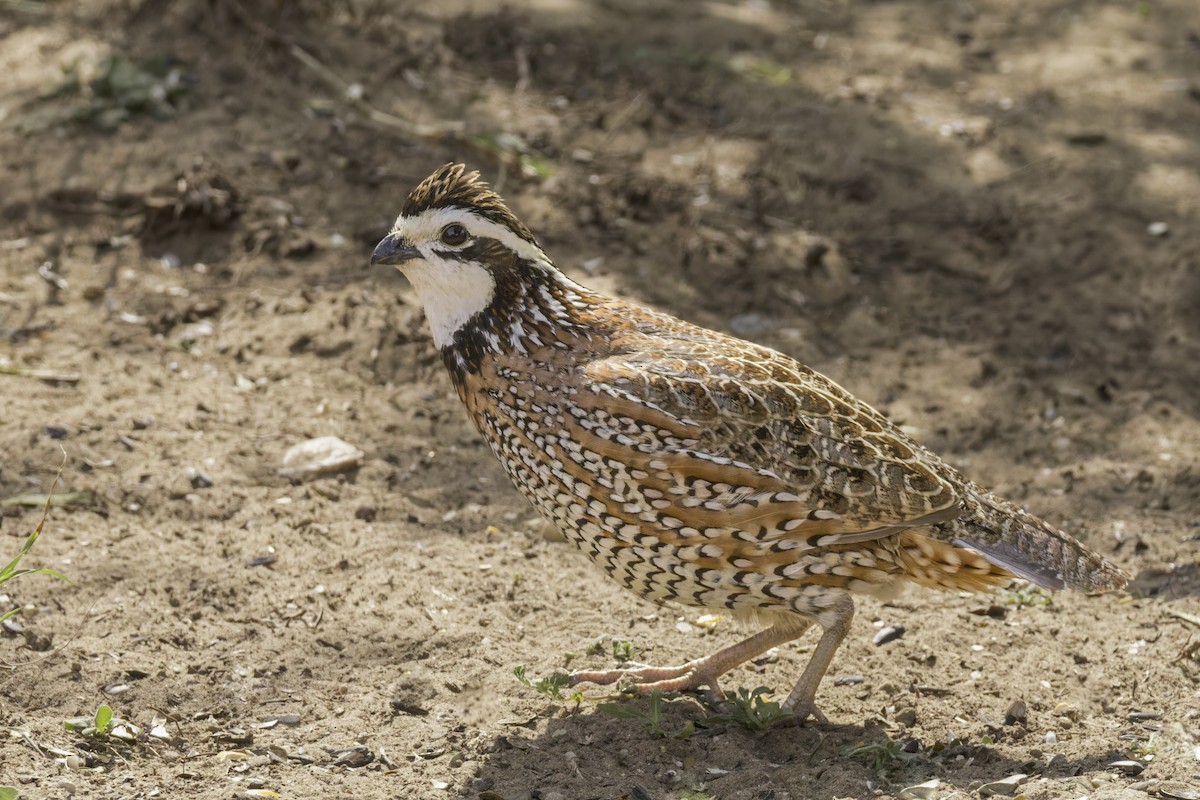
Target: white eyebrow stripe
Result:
[427, 227]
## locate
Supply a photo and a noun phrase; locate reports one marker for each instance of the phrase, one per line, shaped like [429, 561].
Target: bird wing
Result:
[761, 443]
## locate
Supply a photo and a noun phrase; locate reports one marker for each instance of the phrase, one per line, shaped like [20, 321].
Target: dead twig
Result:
[352, 93]
[46, 501]
[349, 92]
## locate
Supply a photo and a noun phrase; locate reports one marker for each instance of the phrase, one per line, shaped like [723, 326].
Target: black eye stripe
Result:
[481, 249]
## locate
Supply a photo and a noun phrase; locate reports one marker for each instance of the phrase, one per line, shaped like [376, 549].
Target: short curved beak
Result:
[393, 250]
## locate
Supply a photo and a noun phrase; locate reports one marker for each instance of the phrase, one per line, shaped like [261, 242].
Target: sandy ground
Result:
[980, 216]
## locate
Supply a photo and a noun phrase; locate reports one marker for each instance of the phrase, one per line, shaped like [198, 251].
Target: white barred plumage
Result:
[692, 466]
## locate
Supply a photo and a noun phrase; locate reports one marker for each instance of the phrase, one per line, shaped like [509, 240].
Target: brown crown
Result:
[451, 186]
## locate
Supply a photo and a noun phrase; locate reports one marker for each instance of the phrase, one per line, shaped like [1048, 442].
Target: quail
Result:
[695, 467]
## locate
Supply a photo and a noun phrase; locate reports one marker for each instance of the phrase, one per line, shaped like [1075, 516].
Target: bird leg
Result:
[802, 700]
[702, 671]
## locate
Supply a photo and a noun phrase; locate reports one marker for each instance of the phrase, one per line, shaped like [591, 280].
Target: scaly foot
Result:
[691, 676]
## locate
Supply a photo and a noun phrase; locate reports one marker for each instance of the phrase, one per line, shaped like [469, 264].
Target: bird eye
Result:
[454, 235]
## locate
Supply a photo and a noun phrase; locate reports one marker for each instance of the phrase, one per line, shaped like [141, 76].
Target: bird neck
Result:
[533, 307]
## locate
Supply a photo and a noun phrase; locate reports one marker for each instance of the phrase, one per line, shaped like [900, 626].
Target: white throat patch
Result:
[452, 292]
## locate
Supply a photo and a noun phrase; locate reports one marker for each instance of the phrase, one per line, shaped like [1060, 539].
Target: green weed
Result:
[1030, 595]
[120, 89]
[13, 570]
[551, 686]
[752, 710]
[652, 714]
[881, 757]
[99, 726]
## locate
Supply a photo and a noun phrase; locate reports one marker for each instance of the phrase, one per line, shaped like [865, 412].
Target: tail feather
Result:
[1013, 560]
[1029, 547]
[942, 565]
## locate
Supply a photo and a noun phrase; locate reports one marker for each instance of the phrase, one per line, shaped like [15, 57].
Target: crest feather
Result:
[451, 186]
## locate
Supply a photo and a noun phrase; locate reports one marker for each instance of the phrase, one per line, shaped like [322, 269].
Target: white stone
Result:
[319, 456]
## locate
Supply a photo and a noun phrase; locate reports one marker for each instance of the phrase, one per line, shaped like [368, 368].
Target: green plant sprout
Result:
[881, 757]
[551, 686]
[13, 570]
[752, 710]
[651, 715]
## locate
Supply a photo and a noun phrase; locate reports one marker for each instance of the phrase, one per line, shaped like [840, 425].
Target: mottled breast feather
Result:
[453, 187]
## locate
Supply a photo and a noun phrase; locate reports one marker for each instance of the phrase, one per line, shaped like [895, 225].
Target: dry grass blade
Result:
[527, 163]
[62, 500]
[51, 375]
[405, 127]
[12, 569]
[344, 87]
[1185, 616]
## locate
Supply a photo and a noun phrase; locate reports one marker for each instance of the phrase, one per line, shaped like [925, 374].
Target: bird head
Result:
[459, 245]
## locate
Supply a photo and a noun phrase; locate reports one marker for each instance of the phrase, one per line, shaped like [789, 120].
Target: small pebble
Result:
[888, 634]
[1088, 138]
[906, 717]
[199, 478]
[922, 791]
[319, 456]
[1158, 229]
[750, 324]
[354, 757]
[1142, 716]
[1051, 737]
[1129, 767]
[1018, 712]
[1005, 788]
[994, 611]
[194, 331]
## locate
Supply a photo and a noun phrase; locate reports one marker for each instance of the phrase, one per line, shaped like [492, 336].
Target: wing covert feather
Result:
[784, 428]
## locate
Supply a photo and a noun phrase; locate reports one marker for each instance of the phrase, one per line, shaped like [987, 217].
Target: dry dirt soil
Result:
[981, 216]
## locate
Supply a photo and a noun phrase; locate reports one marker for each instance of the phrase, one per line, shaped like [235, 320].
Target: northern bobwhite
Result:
[694, 466]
